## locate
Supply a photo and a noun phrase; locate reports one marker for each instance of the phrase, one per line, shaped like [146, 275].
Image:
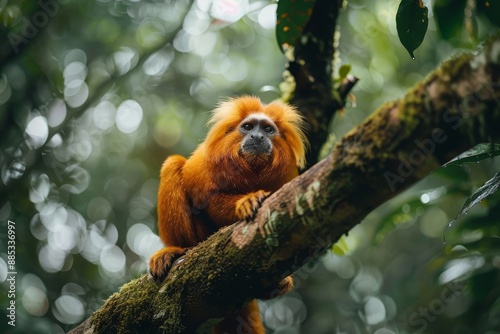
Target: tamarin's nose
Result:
[257, 137]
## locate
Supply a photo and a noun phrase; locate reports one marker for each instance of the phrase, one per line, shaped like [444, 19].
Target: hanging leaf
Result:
[490, 187]
[291, 18]
[411, 22]
[476, 154]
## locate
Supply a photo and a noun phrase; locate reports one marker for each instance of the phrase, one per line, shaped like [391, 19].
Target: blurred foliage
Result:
[465, 20]
[95, 94]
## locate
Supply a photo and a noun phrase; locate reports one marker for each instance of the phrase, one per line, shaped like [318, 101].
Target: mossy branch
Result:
[455, 108]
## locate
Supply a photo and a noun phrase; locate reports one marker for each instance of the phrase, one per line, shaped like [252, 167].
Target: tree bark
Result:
[455, 108]
[311, 68]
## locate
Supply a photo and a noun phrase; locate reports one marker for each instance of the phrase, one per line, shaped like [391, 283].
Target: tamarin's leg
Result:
[245, 321]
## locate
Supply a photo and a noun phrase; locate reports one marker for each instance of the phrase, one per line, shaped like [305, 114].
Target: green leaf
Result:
[411, 22]
[340, 247]
[344, 71]
[292, 16]
[490, 187]
[476, 154]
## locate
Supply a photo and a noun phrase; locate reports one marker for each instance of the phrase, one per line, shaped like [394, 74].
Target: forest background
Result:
[94, 96]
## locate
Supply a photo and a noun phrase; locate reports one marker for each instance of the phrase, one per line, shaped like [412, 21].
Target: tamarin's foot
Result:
[247, 206]
[285, 285]
[275, 291]
[161, 261]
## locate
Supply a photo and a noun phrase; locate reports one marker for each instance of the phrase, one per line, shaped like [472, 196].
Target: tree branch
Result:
[455, 108]
[312, 71]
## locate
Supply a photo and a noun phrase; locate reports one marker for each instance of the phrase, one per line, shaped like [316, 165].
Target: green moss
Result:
[410, 109]
[414, 107]
[129, 306]
[453, 68]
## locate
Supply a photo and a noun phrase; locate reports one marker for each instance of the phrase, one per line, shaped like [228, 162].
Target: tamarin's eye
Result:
[247, 127]
[269, 129]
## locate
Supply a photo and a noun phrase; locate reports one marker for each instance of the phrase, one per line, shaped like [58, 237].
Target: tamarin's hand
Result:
[248, 205]
[251, 150]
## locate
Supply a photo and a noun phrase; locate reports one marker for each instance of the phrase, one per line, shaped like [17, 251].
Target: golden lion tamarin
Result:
[250, 151]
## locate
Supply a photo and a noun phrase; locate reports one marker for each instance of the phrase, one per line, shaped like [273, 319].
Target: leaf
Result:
[411, 22]
[291, 18]
[340, 247]
[490, 187]
[344, 71]
[476, 154]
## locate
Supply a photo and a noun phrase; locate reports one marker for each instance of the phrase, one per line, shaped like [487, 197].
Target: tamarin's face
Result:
[258, 131]
[244, 132]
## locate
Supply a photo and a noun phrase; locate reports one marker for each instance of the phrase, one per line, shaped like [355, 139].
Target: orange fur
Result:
[222, 183]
